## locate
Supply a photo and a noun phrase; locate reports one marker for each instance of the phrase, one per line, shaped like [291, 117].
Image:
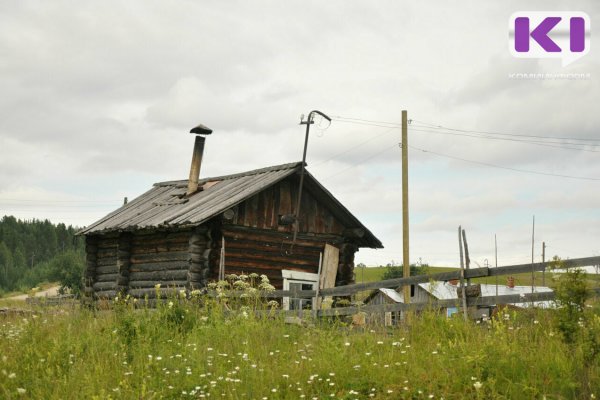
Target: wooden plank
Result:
[153, 283]
[107, 253]
[159, 257]
[160, 247]
[99, 286]
[151, 292]
[275, 208]
[168, 275]
[244, 246]
[310, 240]
[158, 266]
[252, 211]
[572, 263]
[398, 282]
[268, 265]
[331, 258]
[259, 256]
[108, 269]
[270, 214]
[106, 294]
[106, 277]
[261, 210]
[104, 262]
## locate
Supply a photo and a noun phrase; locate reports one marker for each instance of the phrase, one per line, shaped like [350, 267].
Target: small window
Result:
[296, 280]
[301, 303]
[412, 290]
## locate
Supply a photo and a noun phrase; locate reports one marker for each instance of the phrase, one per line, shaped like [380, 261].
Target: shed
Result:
[174, 234]
[425, 292]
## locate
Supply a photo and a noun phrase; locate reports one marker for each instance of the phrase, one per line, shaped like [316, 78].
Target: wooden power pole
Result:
[405, 241]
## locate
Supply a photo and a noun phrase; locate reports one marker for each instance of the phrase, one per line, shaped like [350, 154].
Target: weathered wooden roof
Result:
[167, 206]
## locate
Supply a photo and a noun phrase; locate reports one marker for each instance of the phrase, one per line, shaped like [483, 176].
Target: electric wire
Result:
[556, 145]
[504, 134]
[503, 167]
[360, 162]
[353, 147]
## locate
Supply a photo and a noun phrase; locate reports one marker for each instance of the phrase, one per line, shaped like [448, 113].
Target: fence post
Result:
[462, 273]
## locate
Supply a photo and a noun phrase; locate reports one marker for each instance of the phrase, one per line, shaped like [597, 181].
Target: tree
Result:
[6, 263]
[68, 269]
[393, 272]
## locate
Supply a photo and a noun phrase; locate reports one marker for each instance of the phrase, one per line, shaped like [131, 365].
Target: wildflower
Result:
[477, 385]
[157, 286]
[12, 375]
[347, 344]
[21, 391]
[170, 304]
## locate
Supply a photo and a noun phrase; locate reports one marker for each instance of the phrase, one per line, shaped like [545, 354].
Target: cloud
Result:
[98, 102]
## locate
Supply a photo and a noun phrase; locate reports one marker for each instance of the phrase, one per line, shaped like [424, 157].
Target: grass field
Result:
[371, 274]
[183, 350]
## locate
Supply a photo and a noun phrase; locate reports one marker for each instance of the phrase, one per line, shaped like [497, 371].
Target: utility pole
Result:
[405, 241]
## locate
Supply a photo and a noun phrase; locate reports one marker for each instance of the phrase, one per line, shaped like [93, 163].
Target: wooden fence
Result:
[51, 300]
[349, 290]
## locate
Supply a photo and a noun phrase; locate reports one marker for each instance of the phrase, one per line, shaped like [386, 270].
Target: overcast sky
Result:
[97, 99]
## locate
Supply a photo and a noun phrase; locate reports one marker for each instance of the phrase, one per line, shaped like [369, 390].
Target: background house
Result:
[425, 292]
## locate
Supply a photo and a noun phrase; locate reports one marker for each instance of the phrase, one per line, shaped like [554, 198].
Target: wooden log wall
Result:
[263, 210]
[159, 258]
[91, 258]
[123, 262]
[265, 252]
[200, 245]
[134, 263]
[106, 269]
[345, 275]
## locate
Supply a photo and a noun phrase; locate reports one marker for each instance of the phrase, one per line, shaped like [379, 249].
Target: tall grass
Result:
[189, 349]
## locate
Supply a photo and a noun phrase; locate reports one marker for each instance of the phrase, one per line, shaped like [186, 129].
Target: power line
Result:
[360, 162]
[353, 147]
[348, 119]
[386, 124]
[437, 126]
[381, 125]
[502, 167]
[533, 142]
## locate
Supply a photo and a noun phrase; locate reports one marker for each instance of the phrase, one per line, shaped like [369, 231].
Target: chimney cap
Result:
[201, 129]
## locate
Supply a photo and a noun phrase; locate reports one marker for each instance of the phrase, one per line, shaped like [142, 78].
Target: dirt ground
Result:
[53, 291]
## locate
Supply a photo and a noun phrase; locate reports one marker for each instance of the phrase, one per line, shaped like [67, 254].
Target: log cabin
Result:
[184, 234]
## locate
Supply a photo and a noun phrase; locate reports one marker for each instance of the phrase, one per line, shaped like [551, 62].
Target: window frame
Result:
[301, 277]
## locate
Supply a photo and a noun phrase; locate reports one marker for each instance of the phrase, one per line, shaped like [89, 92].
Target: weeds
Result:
[195, 347]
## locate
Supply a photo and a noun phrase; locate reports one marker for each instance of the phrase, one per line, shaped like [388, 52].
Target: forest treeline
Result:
[36, 251]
